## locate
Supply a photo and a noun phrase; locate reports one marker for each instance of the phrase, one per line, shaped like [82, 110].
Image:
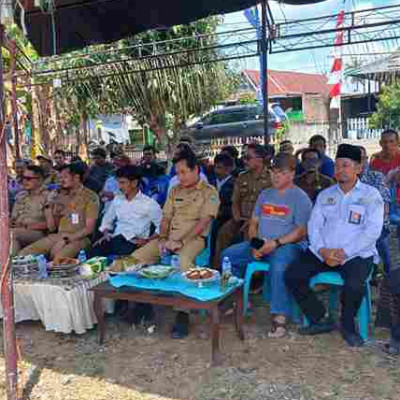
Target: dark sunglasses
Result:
[30, 178]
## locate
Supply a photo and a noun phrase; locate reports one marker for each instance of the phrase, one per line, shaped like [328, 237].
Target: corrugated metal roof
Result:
[384, 67]
[283, 83]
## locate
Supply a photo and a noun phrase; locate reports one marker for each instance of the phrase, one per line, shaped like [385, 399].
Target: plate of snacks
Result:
[156, 271]
[122, 265]
[201, 275]
[65, 268]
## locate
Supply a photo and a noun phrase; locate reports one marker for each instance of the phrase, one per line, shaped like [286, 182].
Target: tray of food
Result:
[201, 275]
[65, 268]
[156, 271]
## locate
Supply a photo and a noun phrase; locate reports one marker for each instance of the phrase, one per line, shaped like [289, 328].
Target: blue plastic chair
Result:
[335, 281]
[260, 266]
[201, 260]
[252, 268]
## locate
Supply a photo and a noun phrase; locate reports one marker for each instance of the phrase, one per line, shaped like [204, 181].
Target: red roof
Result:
[283, 83]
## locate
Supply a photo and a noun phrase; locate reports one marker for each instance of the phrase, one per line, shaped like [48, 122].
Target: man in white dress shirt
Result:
[345, 224]
[128, 221]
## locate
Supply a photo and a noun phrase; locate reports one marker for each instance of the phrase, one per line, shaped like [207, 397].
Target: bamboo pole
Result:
[14, 106]
[6, 286]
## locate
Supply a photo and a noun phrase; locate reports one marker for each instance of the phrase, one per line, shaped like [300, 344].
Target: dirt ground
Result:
[136, 365]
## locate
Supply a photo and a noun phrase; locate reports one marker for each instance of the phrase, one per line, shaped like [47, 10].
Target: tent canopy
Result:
[79, 23]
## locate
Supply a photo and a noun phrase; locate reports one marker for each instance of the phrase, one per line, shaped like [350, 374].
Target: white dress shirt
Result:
[175, 181]
[350, 221]
[132, 219]
[221, 183]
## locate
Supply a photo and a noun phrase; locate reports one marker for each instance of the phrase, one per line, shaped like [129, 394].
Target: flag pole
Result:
[264, 69]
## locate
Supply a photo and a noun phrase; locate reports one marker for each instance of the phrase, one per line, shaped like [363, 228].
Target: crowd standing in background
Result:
[301, 212]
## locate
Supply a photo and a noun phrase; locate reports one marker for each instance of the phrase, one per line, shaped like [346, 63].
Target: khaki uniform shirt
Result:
[186, 206]
[73, 209]
[248, 186]
[320, 183]
[29, 207]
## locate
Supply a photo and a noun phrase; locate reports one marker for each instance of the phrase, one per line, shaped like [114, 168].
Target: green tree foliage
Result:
[156, 82]
[388, 108]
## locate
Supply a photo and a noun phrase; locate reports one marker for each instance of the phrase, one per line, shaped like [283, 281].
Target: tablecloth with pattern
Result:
[62, 304]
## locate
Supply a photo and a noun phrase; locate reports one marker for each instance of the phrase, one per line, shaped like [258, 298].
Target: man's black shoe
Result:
[181, 327]
[324, 326]
[393, 347]
[352, 339]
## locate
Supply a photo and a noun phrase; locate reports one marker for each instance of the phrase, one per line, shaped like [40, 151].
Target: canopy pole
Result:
[264, 68]
[7, 298]
[14, 98]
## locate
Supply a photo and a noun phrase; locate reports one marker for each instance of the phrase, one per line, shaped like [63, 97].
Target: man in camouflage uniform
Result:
[28, 218]
[248, 186]
[72, 214]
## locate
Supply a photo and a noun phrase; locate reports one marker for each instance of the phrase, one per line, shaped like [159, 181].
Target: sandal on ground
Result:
[278, 328]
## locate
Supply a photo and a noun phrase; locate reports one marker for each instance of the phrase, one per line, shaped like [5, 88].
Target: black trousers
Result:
[354, 273]
[118, 246]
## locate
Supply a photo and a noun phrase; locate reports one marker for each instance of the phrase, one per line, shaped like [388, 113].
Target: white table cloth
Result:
[62, 305]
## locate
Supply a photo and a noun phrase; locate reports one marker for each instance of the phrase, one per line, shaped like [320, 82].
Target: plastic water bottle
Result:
[82, 256]
[226, 272]
[165, 257]
[176, 261]
[226, 266]
[42, 264]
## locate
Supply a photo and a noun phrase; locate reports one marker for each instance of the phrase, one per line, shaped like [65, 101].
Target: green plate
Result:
[156, 272]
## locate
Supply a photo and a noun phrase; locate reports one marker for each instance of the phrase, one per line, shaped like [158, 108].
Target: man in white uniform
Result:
[127, 224]
[345, 224]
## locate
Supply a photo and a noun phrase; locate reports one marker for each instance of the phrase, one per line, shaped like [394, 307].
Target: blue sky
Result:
[318, 60]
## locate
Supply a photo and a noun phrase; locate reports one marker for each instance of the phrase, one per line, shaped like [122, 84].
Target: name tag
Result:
[75, 219]
[356, 215]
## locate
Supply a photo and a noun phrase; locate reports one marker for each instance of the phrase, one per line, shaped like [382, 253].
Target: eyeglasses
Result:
[29, 178]
[248, 158]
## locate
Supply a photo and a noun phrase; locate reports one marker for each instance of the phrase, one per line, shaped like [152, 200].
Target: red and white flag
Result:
[336, 73]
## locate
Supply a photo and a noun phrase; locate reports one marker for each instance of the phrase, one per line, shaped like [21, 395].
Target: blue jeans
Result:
[240, 255]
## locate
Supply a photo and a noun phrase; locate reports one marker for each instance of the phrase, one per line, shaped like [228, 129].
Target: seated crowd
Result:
[301, 216]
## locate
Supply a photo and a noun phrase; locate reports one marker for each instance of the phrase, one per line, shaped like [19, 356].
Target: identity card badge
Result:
[75, 218]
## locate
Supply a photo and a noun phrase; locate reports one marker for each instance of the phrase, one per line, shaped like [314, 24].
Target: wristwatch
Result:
[278, 243]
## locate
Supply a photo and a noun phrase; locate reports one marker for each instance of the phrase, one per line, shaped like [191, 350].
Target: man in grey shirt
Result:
[278, 224]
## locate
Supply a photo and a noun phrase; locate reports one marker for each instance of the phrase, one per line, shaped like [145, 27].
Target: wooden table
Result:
[106, 290]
